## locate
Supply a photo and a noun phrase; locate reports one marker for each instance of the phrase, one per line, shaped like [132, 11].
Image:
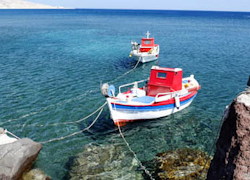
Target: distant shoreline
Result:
[24, 4]
[159, 10]
[149, 10]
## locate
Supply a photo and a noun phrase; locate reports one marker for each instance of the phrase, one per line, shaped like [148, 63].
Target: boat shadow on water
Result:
[130, 63]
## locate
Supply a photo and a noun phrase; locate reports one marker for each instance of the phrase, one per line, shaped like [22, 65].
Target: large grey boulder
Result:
[17, 157]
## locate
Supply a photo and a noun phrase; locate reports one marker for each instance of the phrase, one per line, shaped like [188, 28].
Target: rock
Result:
[232, 157]
[104, 162]
[17, 157]
[182, 164]
[35, 174]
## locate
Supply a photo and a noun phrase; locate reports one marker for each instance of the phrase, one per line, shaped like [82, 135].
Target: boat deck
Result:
[144, 100]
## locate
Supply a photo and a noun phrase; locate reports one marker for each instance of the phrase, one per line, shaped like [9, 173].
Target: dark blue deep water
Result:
[53, 61]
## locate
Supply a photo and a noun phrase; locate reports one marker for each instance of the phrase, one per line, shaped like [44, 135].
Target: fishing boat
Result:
[146, 51]
[165, 92]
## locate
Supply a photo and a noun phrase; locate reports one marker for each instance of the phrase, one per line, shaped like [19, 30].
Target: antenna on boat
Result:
[147, 34]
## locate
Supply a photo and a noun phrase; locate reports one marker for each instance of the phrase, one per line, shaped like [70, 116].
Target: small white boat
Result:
[146, 51]
[164, 93]
[5, 139]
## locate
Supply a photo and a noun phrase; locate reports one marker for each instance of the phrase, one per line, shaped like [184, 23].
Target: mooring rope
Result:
[8, 132]
[125, 72]
[64, 101]
[23, 116]
[47, 107]
[69, 122]
[216, 137]
[135, 156]
[75, 133]
[91, 114]
[72, 122]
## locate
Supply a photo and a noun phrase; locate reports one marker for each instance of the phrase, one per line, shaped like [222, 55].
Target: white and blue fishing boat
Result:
[164, 93]
[146, 51]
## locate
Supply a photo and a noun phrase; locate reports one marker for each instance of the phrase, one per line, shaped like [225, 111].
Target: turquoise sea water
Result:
[53, 61]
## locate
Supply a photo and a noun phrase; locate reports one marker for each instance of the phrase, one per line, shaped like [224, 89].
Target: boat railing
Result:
[165, 96]
[133, 83]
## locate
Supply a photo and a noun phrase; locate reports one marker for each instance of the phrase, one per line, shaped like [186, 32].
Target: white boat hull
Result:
[128, 115]
[145, 57]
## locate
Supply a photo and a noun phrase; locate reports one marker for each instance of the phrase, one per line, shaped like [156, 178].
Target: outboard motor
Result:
[108, 90]
[135, 45]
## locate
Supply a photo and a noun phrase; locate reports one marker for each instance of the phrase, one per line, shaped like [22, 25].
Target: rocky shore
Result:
[17, 157]
[232, 156]
[181, 164]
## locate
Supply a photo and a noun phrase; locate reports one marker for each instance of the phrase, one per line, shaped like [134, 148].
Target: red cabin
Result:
[164, 80]
[147, 44]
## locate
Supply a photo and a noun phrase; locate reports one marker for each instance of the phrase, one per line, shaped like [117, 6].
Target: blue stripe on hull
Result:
[148, 108]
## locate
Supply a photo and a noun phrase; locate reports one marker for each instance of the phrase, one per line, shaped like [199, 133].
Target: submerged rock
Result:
[17, 157]
[182, 164]
[104, 162]
[232, 156]
[35, 174]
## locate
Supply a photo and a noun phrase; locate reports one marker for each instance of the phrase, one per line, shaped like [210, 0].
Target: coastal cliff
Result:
[20, 4]
[232, 156]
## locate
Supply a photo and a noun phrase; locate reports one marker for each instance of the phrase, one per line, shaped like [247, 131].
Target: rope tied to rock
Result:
[5, 131]
[78, 121]
[135, 156]
[44, 109]
[75, 133]
[101, 107]
[8, 132]
[64, 101]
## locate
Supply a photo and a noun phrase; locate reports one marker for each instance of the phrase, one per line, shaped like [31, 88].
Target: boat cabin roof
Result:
[163, 80]
[148, 42]
[158, 68]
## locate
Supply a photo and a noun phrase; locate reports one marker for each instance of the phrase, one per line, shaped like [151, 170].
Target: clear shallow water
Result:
[52, 63]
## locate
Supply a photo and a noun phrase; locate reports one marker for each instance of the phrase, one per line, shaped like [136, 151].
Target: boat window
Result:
[162, 75]
[147, 42]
